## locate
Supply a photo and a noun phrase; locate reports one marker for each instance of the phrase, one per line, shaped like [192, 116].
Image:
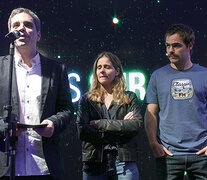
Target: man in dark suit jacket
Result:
[52, 106]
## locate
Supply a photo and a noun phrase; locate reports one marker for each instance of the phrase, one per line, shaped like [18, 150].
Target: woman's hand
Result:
[94, 122]
[129, 116]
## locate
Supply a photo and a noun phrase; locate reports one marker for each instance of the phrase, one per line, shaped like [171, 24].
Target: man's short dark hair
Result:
[185, 32]
[27, 11]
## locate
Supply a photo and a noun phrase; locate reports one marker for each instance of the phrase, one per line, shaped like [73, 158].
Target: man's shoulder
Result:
[198, 67]
[50, 60]
[6, 58]
[161, 70]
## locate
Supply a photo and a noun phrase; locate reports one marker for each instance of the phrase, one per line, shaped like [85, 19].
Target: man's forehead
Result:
[21, 17]
[174, 38]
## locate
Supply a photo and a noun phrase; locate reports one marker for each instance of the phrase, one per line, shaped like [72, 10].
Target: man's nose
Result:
[170, 50]
[21, 27]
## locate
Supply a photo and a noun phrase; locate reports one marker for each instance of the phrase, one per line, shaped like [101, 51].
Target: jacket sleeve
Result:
[64, 107]
[2, 128]
[128, 128]
[85, 131]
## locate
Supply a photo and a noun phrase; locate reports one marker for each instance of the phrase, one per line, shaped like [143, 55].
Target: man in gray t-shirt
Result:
[176, 116]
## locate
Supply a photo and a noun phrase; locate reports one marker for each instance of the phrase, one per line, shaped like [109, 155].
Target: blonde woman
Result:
[108, 122]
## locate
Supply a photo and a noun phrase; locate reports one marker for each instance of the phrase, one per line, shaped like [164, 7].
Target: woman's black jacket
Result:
[119, 132]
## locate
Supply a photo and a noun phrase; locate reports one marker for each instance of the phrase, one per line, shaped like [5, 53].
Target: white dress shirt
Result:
[29, 155]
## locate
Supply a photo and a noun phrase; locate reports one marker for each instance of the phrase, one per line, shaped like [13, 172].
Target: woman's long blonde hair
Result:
[118, 90]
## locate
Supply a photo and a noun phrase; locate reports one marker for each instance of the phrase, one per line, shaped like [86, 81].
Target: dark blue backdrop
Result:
[75, 31]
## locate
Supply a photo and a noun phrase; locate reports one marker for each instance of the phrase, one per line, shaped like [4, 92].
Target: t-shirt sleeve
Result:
[151, 94]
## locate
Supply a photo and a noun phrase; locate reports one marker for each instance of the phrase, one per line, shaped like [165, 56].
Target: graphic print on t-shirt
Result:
[182, 89]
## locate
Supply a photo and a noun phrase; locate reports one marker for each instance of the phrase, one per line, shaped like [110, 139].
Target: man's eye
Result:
[176, 45]
[29, 25]
[15, 25]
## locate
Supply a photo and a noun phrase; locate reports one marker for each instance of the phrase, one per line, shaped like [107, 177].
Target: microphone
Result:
[12, 36]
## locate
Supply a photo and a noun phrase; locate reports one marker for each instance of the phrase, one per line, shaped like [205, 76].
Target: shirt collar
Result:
[20, 62]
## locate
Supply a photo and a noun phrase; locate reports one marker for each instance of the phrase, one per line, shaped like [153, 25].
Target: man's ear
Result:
[38, 35]
[191, 46]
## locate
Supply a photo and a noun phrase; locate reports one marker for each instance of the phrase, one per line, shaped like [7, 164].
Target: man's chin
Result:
[20, 44]
[174, 60]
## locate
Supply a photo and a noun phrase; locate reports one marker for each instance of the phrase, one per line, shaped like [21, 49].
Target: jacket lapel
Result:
[98, 107]
[15, 96]
[5, 71]
[46, 77]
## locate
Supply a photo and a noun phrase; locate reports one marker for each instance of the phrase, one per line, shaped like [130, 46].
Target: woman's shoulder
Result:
[84, 96]
[130, 93]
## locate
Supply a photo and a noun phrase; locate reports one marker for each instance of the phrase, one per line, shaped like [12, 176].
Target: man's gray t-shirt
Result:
[182, 99]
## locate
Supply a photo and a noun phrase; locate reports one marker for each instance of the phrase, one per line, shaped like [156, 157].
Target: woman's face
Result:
[106, 72]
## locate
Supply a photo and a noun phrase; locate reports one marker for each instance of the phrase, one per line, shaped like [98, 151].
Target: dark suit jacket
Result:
[56, 105]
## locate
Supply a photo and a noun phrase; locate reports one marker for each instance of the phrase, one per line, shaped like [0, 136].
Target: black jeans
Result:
[173, 168]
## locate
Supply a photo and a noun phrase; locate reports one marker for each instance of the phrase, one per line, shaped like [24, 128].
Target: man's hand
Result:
[129, 116]
[204, 150]
[46, 131]
[159, 150]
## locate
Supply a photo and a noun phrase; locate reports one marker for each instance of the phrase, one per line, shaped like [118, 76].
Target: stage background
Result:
[75, 31]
